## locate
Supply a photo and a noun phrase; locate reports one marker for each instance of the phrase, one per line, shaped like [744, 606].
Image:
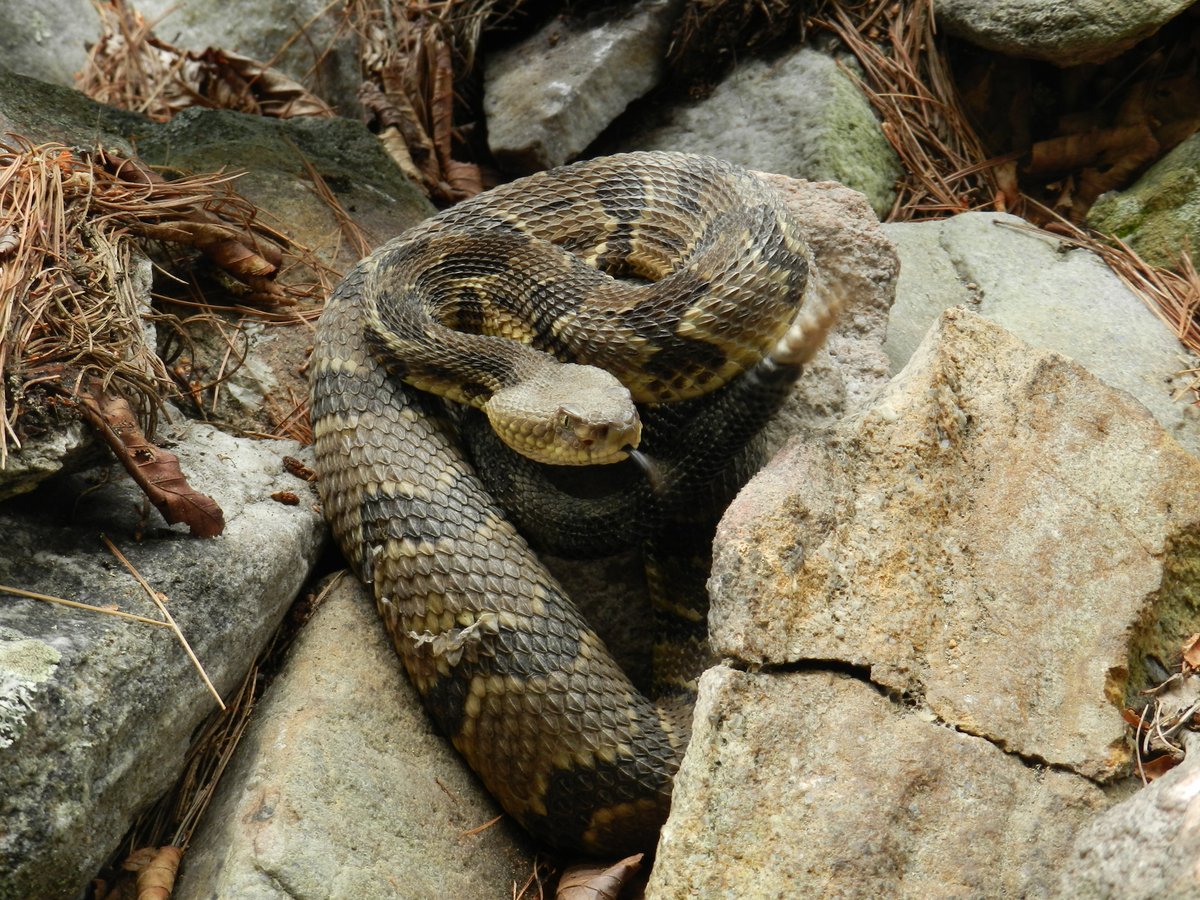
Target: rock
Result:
[96, 712]
[275, 155]
[1065, 33]
[815, 784]
[998, 535]
[800, 115]
[341, 787]
[1159, 216]
[549, 96]
[1145, 847]
[853, 257]
[309, 40]
[67, 445]
[1065, 300]
[43, 112]
[49, 39]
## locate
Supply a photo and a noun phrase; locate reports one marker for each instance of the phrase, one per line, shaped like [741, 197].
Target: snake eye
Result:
[567, 418]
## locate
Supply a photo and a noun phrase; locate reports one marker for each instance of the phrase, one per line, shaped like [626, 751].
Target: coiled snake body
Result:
[677, 275]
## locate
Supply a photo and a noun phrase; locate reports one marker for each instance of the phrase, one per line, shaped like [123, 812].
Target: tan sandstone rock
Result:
[814, 784]
[943, 605]
[998, 534]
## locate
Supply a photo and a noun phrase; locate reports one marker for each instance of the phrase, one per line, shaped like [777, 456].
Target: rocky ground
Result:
[978, 543]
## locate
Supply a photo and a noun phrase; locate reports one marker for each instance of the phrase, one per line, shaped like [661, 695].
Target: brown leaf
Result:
[156, 879]
[1191, 652]
[155, 470]
[1132, 717]
[597, 882]
[270, 92]
[1159, 766]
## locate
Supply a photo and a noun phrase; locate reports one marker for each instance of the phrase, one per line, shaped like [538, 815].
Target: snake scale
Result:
[669, 281]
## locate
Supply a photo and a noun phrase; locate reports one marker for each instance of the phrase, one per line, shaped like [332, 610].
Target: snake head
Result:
[568, 416]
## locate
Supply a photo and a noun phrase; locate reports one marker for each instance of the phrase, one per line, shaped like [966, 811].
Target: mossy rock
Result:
[1159, 216]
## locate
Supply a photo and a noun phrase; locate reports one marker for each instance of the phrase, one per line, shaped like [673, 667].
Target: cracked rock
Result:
[997, 537]
[814, 784]
[999, 533]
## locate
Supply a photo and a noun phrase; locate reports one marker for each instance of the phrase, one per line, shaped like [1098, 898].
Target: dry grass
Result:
[74, 282]
[130, 67]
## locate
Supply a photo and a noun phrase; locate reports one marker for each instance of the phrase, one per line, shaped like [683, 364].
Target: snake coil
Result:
[680, 276]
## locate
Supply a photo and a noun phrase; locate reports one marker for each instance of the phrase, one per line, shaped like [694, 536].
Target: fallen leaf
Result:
[156, 879]
[295, 467]
[155, 470]
[1191, 652]
[1159, 766]
[588, 881]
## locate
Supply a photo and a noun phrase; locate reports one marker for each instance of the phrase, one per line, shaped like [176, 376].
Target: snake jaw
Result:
[597, 443]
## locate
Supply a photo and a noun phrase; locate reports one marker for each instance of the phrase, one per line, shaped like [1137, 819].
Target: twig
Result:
[74, 604]
[157, 598]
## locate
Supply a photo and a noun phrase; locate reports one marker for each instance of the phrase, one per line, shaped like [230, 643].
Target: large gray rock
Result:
[1064, 32]
[341, 787]
[800, 115]
[49, 39]
[96, 712]
[550, 95]
[1002, 545]
[1054, 298]
[41, 112]
[1159, 216]
[1145, 847]
[815, 784]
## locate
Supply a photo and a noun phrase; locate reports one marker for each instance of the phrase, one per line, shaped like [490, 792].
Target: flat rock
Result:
[550, 95]
[1159, 216]
[96, 712]
[998, 534]
[799, 115]
[1064, 32]
[1047, 294]
[814, 784]
[341, 788]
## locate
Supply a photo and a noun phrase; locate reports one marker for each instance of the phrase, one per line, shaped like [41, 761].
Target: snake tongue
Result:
[650, 468]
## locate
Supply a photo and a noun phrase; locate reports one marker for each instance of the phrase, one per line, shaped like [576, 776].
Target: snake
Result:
[638, 315]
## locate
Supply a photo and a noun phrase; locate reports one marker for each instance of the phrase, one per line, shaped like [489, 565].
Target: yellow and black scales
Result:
[683, 277]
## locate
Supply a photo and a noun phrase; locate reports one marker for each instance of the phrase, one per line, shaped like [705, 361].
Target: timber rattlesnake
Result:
[682, 277]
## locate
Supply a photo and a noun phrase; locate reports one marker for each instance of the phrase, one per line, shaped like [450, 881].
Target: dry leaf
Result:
[1159, 766]
[155, 470]
[597, 882]
[1191, 652]
[156, 879]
